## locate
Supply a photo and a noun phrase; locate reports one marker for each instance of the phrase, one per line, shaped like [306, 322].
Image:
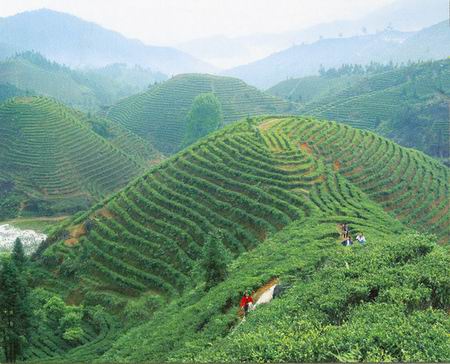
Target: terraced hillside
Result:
[159, 115]
[87, 90]
[285, 182]
[52, 160]
[251, 181]
[407, 104]
[122, 138]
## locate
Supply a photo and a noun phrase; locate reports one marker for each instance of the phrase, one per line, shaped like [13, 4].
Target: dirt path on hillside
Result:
[31, 219]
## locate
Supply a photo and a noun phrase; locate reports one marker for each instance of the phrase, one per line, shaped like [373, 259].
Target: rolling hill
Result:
[149, 115]
[276, 187]
[407, 104]
[87, 90]
[55, 160]
[69, 40]
[304, 60]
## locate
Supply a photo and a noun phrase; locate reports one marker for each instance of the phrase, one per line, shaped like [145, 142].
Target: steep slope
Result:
[72, 41]
[275, 186]
[84, 89]
[252, 181]
[51, 160]
[149, 115]
[330, 292]
[407, 104]
[383, 47]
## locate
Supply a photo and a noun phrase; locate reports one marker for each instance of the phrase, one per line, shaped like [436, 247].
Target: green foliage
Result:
[407, 103]
[353, 309]
[142, 309]
[18, 255]
[159, 115]
[15, 310]
[51, 162]
[53, 314]
[214, 260]
[88, 90]
[277, 187]
[204, 117]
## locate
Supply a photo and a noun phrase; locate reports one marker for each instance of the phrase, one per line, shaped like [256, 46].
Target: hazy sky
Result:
[173, 21]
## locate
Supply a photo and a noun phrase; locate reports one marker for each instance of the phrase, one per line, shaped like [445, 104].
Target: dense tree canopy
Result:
[204, 117]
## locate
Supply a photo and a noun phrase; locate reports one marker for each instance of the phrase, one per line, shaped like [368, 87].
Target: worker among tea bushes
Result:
[246, 302]
[361, 238]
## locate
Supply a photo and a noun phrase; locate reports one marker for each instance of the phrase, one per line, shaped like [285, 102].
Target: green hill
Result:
[159, 115]
[276, 188]
[8, 91]
[56, 160]
[83, 89]
[407, 104]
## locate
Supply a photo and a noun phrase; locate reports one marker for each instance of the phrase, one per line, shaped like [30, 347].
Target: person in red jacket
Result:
[246, 300]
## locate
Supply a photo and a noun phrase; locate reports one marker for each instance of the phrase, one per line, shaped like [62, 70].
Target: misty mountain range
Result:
[383, 47]
[76, 43]
[403, 15]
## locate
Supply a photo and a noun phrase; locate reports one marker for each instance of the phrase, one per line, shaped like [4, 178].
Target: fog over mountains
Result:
[403, 15]
[72, 41]
[383, 47]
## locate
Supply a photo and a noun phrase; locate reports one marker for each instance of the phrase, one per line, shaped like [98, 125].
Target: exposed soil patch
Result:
[306, 148]
[104, 212]
[75, 233]
[336, 165]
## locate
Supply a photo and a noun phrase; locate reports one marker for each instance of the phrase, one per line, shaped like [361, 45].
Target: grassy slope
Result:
[53, 162]
[408, 104]
[274, 178]
[149, 115]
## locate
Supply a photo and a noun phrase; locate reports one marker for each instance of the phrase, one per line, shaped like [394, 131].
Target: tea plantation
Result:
[159, 115]
[55, 160]
[409, 104]
[277, 189]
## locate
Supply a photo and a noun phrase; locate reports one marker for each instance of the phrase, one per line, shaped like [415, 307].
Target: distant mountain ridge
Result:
[403, 15]
[72, 41]
[303, 60]
[407, 104]
[88, 90]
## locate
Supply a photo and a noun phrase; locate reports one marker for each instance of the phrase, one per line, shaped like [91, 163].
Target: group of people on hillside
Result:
[345, 232]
